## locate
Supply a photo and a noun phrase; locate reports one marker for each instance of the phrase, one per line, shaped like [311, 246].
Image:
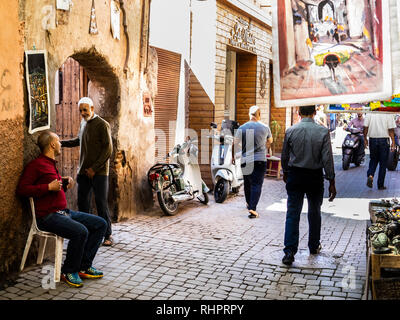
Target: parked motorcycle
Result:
[352, 148]
[180, 181]
[226, 173]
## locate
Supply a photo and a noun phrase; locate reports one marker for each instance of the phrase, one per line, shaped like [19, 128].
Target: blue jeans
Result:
[84, 231]
[99, 185]
[302, 182]
[253, 183]
[379, 152]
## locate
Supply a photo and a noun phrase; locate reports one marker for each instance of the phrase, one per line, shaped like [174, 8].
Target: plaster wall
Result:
[12, 217]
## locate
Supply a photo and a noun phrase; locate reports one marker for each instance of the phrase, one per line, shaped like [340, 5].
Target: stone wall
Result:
[226, 19]
[116, 68]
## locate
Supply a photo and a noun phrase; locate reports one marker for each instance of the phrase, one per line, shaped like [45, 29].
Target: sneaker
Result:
[91, 273]
[382, 188]
[316, 251]
[72, 279]
[288, 258]
[370, 181]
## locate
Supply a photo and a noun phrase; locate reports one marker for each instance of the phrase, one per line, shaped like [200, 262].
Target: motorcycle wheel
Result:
[221, 190]
[167, 203]
[346, 161]
[392, 160]
[204, 198]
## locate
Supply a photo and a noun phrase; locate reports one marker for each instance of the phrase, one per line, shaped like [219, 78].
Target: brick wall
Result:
[226, 18]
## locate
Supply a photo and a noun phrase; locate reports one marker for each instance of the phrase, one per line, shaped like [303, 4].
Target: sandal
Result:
[108, 242]
[253, 214]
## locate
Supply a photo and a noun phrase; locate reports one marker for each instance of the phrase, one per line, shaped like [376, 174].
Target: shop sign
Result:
[242, 37]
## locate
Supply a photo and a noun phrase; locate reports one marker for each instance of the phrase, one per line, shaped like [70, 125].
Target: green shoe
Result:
[91, 273]
[72, 279]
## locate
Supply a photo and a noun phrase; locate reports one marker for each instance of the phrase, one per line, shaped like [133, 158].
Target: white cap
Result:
[86, 100]
[253, 110]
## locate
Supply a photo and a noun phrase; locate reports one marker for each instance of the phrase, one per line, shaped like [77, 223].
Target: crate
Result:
[387, 289]
[384, 288]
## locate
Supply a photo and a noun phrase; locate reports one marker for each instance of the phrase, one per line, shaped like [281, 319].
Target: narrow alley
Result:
[216, 252]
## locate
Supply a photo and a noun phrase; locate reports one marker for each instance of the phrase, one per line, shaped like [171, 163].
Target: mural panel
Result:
[331, 51]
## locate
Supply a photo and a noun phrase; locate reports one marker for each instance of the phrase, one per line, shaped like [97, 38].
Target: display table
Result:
[382, 287]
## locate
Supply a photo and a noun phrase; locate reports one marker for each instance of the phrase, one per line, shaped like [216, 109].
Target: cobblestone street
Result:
[217, 252]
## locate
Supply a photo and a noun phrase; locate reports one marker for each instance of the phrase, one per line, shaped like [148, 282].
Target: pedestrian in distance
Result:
[253, 137]
[42, 181]
[306, 156]
[378, 128]
[94, 140]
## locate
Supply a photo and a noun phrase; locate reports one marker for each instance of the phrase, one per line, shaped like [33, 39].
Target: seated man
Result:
[85, 232]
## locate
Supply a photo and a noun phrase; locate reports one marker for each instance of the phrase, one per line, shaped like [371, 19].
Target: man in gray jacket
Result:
[94, 139]
[306, 153]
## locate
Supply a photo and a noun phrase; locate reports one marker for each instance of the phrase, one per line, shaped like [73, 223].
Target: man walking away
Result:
[306, 154]
[378, 127]
[253, 136]
[94, 139]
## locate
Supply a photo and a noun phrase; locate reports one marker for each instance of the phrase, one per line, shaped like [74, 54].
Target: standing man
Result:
[94, 139]
[378, 127]
[306, 153]
[85, 232]
[253, 137]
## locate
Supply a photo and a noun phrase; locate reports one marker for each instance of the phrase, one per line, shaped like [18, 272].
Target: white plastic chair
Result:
[59, 241]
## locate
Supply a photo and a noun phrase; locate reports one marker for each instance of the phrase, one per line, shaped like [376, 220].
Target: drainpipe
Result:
[121, 2]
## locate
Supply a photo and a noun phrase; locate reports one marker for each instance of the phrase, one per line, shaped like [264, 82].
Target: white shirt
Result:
[379, 124]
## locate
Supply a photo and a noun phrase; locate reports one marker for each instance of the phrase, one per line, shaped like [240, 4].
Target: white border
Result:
[335, 99]
[27, 53]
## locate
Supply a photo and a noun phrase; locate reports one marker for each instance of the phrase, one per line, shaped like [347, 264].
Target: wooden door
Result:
[166, 100]
[72, 85]
[246, 84]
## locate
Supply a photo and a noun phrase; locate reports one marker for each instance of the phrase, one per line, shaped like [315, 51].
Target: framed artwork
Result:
[331, 52]
[38, 94]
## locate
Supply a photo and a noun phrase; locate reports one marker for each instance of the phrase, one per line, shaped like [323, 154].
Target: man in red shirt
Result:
[42, 181]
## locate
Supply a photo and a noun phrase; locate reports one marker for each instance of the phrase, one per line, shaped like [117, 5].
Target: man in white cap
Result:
[253, 137]
[94, 139]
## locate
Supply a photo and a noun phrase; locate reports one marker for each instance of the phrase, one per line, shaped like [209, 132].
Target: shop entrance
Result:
[246, 84]
[85, 74]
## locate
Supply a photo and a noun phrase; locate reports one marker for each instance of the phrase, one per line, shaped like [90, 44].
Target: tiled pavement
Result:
[216, 252]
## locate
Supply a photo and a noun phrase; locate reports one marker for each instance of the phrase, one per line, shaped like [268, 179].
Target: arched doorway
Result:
[86, 74]
[324, 11]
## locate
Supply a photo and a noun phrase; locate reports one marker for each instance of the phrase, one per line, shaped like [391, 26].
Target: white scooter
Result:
[179, 181]
[226, 173]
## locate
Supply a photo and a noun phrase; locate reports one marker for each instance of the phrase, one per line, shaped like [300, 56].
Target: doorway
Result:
[246, 84]
[86, 74]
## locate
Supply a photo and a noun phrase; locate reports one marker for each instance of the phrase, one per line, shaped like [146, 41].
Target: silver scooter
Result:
[178, 181]
[226, 173]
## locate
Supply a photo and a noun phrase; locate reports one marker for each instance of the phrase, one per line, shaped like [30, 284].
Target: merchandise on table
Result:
[384, 233]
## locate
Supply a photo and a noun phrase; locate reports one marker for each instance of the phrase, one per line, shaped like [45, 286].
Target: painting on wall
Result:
[38, 94]
[331, 51]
